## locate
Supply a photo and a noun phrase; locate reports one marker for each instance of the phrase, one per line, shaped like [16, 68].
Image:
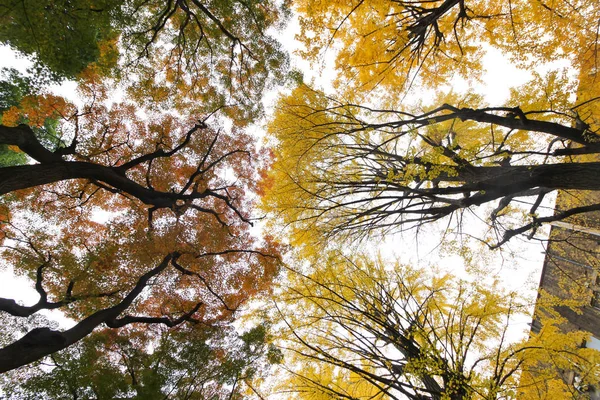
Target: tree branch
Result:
[41, 342]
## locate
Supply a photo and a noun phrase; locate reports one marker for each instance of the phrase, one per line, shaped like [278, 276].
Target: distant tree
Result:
[13, 87]
[381, 331]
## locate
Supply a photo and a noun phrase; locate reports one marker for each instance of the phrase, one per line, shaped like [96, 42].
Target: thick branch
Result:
[160, 153]
[26, 176]
[53, 168]
[41, 342]
[531, 125]
[23, 137]
[509, 234]
[13, 308]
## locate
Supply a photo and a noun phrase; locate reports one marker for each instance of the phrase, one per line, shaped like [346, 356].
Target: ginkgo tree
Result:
[346, 168]
[397, 45]
[374, 157]
[389, 331]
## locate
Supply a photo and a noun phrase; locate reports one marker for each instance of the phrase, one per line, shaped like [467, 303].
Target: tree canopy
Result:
[404, 139]
[131, 207]
[176, 230]
[395, 332]
[364, 160]
[63, 37]
[397, 45]
[137, 210]
[213, 362]
[346, 168]
[190, 55]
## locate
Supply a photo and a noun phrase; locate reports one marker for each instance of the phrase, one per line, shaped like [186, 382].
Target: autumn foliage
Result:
[132, 209]
[163, 190]
[404, 142]
[137, 210]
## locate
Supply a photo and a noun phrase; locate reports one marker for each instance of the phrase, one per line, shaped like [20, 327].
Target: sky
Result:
[521, 261]
[13, 287]
[518, 264]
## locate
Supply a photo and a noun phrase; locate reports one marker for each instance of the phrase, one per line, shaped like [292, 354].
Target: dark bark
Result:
[509, 117]
[516, 178]
[485, 184]
[518, 120]
[428, 19]
[479, 185]
[23, 137]
[375, 201]
[411, 350]
[53, 168]
[27, 176]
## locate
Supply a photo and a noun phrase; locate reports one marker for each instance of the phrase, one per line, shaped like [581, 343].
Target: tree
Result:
[62, 37]
[217, 54]
[186, 54]
[175, 194]
[394, 332]
[345, 168]
[175, 248]
[14, 89]
[212, 362]
[370, 159]
[391, 43]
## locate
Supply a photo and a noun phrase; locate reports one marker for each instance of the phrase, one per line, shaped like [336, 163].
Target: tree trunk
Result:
[580, 176]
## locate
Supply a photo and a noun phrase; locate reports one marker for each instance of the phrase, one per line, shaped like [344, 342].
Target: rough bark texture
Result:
[26, 176]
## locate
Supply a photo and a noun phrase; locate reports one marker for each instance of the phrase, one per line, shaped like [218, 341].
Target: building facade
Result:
[571, 272]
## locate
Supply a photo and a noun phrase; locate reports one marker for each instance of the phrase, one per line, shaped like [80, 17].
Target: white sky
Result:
[13, 287]
[519, 272]
[519, 263]
[18, 287]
